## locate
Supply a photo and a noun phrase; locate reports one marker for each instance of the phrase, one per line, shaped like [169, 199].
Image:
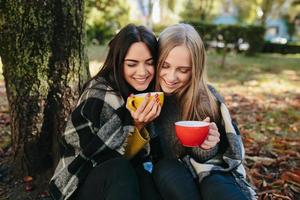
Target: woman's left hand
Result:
[213, 136]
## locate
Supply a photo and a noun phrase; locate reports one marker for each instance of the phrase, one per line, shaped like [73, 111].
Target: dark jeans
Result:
[175, 182]
[117, 179]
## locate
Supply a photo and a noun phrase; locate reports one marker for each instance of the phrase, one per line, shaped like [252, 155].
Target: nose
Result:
[141, 70]
[171, 76]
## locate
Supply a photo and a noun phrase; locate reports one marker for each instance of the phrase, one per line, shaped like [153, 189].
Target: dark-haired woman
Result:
[93, 163]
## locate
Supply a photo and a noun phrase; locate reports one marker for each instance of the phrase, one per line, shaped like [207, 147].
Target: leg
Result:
[148, 189]
[112, 180]
[174, 181]
[221, 186]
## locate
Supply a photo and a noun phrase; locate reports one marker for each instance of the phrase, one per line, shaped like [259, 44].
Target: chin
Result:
[167, 90]
[141, 88]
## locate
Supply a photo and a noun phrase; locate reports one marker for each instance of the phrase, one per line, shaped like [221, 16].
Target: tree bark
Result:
[42, 47]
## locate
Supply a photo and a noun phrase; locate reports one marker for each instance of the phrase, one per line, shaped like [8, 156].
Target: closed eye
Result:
[131, 63]
[150, 62]
[185, 69]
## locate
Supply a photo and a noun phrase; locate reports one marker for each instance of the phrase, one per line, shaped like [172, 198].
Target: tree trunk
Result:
[44, 66]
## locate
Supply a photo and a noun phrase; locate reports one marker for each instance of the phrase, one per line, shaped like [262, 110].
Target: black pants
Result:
[175, 182]
[117, 179]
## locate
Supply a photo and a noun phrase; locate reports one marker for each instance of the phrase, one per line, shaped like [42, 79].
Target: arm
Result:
[95, 127]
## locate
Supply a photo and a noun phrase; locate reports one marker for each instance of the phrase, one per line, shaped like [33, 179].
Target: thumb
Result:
[207, 119]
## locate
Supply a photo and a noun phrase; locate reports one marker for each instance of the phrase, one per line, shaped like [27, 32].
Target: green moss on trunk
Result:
[44, 65]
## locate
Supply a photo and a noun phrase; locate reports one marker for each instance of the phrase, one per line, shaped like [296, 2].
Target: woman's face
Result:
[176, 70]
[138, 66]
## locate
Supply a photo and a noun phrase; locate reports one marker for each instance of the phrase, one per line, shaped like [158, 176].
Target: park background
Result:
[48, 49]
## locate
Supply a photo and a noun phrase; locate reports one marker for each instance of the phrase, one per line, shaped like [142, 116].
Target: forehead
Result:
[179, 56]
[138, 51]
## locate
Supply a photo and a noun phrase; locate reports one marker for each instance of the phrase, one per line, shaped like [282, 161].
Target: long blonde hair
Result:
[196, 100]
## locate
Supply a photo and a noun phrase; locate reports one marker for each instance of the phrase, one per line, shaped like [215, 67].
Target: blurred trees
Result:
[197, 10]
[251, 11]
[42, 47]
[105, 18]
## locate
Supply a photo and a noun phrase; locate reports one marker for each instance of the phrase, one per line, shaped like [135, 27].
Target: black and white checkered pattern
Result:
[96, 131]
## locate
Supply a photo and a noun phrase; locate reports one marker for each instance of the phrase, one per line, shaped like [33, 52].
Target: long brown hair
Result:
[113, 66]
[195, 99]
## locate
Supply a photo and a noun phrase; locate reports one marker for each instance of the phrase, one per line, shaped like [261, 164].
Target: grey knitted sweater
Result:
[171, 147]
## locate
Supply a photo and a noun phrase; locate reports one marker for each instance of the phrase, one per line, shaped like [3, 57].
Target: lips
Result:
[141, 80]
[170, 85]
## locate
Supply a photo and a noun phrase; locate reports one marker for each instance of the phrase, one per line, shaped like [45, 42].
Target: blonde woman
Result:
[213, 170]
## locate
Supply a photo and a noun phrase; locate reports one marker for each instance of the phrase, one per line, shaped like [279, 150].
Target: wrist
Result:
[139, 126]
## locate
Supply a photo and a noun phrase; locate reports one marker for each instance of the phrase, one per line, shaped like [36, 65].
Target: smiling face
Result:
[138, 66]
[176, 70]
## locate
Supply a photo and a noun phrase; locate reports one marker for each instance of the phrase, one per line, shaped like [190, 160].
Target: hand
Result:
[213, 136]
[146, 112]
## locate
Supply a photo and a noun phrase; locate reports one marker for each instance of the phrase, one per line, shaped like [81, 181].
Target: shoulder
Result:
[99, 91]
[215, 93]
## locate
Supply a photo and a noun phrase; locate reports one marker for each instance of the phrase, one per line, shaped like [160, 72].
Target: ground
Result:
[263, 95]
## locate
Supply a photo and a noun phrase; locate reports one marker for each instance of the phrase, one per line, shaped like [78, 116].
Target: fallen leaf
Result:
[290, 176]
[27, 179]
[28, 187]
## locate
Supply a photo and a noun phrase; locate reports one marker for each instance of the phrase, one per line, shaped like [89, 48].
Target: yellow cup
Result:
[136, 100]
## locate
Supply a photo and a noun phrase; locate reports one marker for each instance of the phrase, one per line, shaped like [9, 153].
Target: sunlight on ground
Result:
[94, 67]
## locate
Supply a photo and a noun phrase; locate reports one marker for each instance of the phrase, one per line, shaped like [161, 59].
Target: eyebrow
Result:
[179, 66]
[132, 60]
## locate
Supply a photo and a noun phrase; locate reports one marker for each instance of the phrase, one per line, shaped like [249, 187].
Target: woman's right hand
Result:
[146, 112]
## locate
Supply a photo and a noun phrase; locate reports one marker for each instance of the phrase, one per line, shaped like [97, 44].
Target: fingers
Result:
[143, 104]
[154, 112]
[146, 112]
[213, 126]
[213, 137]
[207, 119]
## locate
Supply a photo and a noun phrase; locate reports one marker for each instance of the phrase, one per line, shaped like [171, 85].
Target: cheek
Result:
[185, 78]
[162, 72]
[127, 72]
[151, 70]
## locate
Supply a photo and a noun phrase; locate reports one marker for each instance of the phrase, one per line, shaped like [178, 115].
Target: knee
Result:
[219, 186]
[164, 168]
[120, 166]
[115, 168]
[169, 171]
[174, 180]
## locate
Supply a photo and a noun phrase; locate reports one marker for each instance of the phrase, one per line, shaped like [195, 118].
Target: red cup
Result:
[191, 133]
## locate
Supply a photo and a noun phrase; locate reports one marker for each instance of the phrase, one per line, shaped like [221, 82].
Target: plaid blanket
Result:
[96, 131]
[233, 156]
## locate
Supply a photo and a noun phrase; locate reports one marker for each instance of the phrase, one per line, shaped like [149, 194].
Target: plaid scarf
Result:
[96, 131]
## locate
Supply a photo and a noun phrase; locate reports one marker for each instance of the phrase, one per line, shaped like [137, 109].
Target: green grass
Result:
[264, 73]
[97, 53]
[242, 68]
